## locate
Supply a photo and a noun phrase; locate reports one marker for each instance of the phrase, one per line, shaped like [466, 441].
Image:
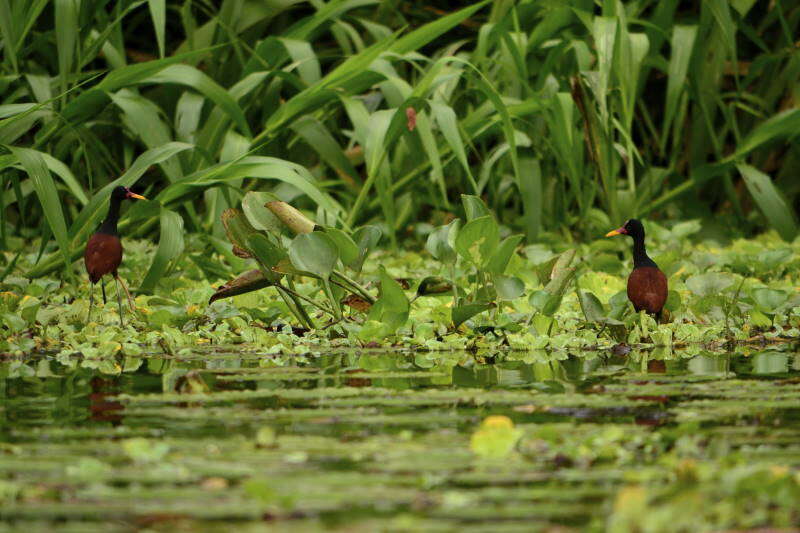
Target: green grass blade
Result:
[158, 12]
[770, 201]
[170, 246]
[34, 164]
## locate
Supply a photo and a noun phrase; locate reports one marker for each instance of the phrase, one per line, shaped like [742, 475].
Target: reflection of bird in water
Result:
[100, 409]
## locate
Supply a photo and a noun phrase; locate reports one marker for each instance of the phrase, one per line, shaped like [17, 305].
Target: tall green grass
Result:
[564, 116]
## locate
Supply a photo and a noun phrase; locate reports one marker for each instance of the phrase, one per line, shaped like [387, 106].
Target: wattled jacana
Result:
[647, 285]
[103, 253]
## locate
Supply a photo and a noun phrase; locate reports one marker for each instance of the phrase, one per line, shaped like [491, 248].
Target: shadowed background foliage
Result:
[565, 116]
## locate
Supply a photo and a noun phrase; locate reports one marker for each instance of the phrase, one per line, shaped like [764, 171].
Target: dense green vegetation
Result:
[370, 281]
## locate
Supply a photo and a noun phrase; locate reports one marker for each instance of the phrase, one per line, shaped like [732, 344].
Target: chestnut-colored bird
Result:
[103, 253]
[647, 285]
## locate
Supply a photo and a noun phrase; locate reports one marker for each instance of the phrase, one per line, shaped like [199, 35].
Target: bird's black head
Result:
[632, 227]
[123, 193]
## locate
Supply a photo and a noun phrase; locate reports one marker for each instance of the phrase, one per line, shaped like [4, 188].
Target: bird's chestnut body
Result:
[103, 256]
[647, 289]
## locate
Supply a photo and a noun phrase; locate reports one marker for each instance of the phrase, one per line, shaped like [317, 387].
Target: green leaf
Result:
[770, 201]
[257, 213]
[769, 300]
[348, 250]
[778, 127]
[474, 207]
[499, 260]
[712, 283]
[591, 306]
[34, 164]
[159, 15]
[477, 240]
[438, 243]
[170, 246]
[267, 253]
[508, 287]
[314, 252]
[464, 312]
[367, 238]
[392, 306]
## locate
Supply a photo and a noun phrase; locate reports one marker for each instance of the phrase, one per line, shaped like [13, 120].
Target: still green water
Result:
[377, 441]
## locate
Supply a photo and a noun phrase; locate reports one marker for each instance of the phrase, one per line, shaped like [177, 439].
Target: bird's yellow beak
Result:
[618, 231]
[137, 196]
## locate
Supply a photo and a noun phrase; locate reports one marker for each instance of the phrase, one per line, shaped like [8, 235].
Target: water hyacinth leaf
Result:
[462, 313]
[477, 240]
[591, 306]
[367, 238]
[314, 252]
[439, 242]
[349, 252]
[257, 213]
[294, 219]
[392, 307]
[474, 207]
[250, 281]
[508, 287]
[499, 260]
[170, 246]
[769, 300]
[237, 228]
[268, 254]
[712, 283]
[770, 201]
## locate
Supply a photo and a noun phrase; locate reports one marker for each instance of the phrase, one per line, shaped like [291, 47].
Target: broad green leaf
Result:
[508, 287]
[438, 243]
[268, 254]
[769, 300]
[462, 313]
[712, 283]
[502, 255]
[474, 207]
[477, 240]
[314, 252]
[257, 213]
[392, 306]
[347, 248]
[367, 238]
[591, 307]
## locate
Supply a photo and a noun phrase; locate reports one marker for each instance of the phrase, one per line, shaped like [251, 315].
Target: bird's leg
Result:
[103, 285]
[119, 302]
[91, 302]
[130, 300]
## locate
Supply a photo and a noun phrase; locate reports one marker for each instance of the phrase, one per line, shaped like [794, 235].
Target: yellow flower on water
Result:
[495, 438]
